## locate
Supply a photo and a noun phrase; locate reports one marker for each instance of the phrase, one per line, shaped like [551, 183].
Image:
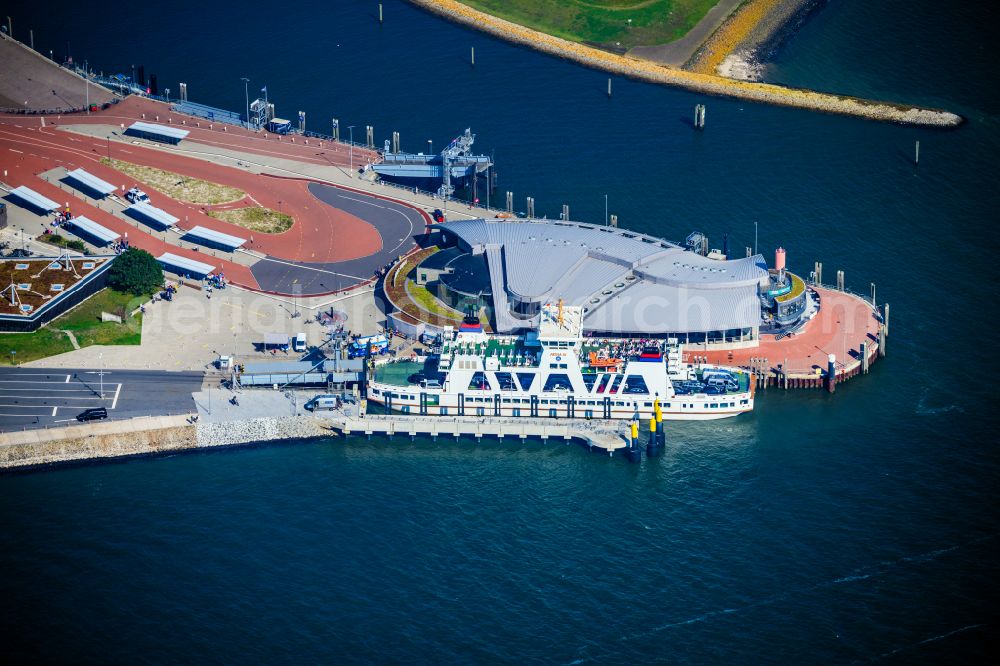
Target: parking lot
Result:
[34, 397]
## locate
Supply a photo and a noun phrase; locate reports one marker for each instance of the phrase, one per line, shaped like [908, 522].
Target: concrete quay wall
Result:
[704, 83]
[600, 435]
[146, 436]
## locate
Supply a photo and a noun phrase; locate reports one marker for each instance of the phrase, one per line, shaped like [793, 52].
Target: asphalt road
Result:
[396, 223]
[36, 397]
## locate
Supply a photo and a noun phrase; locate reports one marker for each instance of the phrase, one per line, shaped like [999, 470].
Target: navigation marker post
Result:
[246, 94]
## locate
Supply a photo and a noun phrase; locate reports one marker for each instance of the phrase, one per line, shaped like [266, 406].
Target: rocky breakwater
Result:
[704, 83]
[263, 429]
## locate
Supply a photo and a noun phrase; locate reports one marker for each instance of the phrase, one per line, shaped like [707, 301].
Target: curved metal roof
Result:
[548, 259]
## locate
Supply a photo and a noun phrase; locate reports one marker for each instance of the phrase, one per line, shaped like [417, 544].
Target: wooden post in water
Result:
[916, 154]
[609, 87]
[565, 212]
[881, 340]
[473, 56]
[885, 318]
[831, 373]
[380, 13]
[614, 220]
[840, 280]
[864, 358]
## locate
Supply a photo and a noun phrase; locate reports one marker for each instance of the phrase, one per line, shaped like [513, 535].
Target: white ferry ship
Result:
[556, 372]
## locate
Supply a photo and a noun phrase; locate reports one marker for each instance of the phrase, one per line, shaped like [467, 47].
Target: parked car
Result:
[135, 195]
[92, 414]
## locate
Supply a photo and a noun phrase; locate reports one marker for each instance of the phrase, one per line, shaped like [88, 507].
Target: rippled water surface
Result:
[843, 528]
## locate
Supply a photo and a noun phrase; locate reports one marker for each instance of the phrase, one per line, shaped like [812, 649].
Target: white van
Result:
[321, 402]
[299, 343]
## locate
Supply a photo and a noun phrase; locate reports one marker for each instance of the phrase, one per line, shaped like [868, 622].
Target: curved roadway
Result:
[396, 223]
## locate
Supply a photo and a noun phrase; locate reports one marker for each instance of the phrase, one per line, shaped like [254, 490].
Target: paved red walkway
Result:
[842, 324]
[321, 233]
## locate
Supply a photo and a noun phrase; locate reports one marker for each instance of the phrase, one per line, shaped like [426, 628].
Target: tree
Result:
[135, 271]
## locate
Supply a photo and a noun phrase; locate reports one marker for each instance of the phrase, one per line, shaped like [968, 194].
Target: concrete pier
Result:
[606, 436]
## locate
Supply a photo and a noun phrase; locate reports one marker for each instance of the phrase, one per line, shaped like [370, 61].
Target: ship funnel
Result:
[779, 259]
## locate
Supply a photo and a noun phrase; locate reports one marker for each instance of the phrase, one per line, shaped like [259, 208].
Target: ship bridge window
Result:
[557, 382]
[525, 379]
[479, 382]
[635, 384]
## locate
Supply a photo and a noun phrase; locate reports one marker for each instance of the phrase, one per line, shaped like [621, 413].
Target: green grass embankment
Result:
[618, 24]
[84, 322]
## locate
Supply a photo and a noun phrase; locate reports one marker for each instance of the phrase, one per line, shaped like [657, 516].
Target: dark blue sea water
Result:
[849, 528]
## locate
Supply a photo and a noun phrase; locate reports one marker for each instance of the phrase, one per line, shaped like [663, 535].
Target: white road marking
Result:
[54, 411]
[72, 390]
[24, 381]
[68, 378]
[115, 401]
[45, 407]
[16, 151]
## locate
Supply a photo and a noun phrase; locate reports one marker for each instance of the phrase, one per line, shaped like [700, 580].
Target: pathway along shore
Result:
[645, 70]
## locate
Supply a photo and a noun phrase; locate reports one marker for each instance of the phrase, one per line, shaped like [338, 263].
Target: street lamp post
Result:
[246, 94]
[100, 357]
[430, 147]
[166, 92]
[605, 210]
[86, 83]
[351, 130]
[12, 352]
[755, 237]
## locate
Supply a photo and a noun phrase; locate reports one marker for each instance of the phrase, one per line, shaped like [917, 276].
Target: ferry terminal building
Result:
[627, 284]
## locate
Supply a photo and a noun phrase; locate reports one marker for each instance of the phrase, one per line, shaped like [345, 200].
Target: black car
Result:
[92, 414]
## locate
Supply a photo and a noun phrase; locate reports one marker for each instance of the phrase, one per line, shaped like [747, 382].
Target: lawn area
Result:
[256, 218]
[602, 22]
[32, 346]
[420, 295]
[85, 323]
[176, 186]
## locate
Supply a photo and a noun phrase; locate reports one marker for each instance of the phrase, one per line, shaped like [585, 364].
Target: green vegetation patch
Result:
[84, 321]
[422, 296]
[798, 286]
[32, 346]
[256, 218]
[137, 272]
[176, 186]
[62, 241]
[615, 24]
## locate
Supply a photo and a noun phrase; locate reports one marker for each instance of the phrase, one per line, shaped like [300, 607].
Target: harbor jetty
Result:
[651, 72]
[605, 436]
